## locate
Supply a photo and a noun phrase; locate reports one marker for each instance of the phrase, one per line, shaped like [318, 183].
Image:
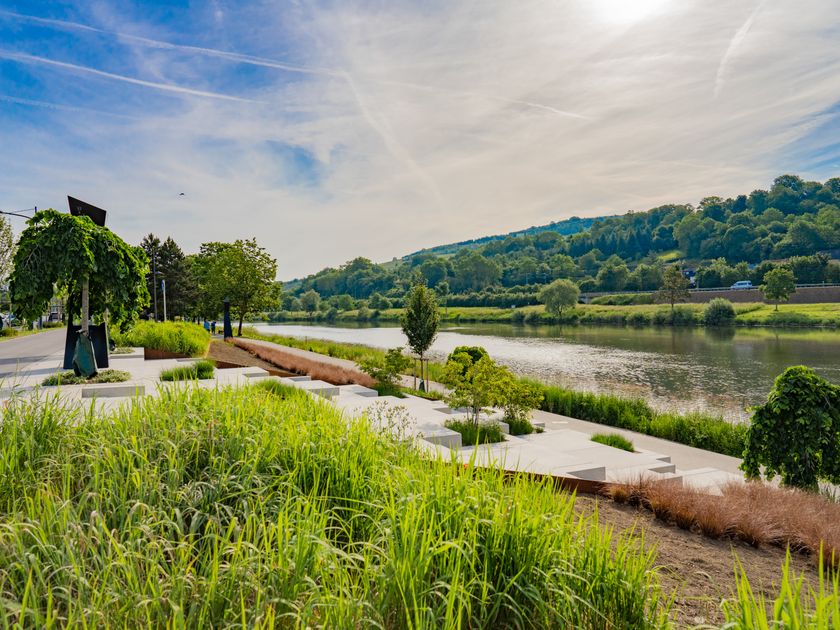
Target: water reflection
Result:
[720, 370]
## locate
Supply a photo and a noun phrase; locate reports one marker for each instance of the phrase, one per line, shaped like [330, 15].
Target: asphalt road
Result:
[16, 354]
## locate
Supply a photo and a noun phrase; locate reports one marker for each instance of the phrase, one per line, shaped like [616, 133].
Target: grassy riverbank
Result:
[748, 314]
[700, 430]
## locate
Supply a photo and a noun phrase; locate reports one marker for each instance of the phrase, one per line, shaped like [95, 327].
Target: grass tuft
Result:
[472, 433]
[176, 337]
[615, 440]
[70, 378]
[200, 370]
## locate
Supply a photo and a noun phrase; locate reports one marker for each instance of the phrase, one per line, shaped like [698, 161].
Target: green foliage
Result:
[779, 283]
[178, 337]
[694, 429]
[558, 294]
[182, 291]
[798, 605]
[719, 312]
[475, 385]
[674, 286]
[70, 378]
[476, 433]
[796, 433]
[239, 508]
[275, 387]
[242, 272]
[386, 369]
[615, 440]
[200, 370]
[310, 301]
[56, 252]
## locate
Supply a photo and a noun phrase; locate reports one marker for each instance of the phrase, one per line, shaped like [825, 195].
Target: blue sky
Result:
[335, 129]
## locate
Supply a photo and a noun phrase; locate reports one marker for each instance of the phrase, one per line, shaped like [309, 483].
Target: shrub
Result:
[517, 317]
[615, 440]
[532, 317]
[719, 312]
[638, 318]
[70, 378]
[796, 433]
[472, 433]
[8, 331]
[177, 337]
[519, 426]
[200, 370]
[387, 369]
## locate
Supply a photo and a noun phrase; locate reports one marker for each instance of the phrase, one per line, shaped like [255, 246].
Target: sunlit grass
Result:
[242, 508]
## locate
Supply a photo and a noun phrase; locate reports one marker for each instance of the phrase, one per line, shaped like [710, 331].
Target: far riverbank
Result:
[825, 315]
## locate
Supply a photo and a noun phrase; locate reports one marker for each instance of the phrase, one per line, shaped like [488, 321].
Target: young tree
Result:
[559, 294]
[420, 322]
[474, 384]
[796, 433]
[674, 287]
[310, 301]
[779, 283]
[242, 272]
[99, 271]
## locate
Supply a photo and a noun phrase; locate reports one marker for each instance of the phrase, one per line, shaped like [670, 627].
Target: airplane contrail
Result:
[47, 104]
[272, 63]
[734, 45]
[166, 87]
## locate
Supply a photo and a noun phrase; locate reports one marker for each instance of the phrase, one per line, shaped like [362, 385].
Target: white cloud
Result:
[435, 122]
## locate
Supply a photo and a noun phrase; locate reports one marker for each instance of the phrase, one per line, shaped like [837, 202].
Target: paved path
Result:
[16, 355]
[685, 457]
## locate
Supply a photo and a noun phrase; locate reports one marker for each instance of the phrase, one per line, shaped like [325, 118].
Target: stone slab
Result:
[113, 390]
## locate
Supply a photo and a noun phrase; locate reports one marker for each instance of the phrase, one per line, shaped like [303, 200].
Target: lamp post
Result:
[228, 331]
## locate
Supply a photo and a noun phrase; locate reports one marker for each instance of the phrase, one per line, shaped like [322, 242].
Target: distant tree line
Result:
[723, 240]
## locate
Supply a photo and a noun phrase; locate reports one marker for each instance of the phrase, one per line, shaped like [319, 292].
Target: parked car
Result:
[742, 284]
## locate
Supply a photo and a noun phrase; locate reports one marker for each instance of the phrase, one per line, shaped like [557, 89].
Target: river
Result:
[722, 371]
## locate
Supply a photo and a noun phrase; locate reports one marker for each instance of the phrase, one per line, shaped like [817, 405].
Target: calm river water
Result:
[722, 371]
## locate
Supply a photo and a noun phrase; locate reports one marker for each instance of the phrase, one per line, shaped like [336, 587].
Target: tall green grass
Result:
[241, 508]
[200, 370]
[178, 337]
[693, 429]
[798, 605]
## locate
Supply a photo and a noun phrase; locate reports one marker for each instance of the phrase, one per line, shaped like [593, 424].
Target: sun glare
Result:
[627, 11]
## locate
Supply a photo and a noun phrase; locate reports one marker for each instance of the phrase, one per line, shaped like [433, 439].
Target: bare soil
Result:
[228, 353]
[699, 570]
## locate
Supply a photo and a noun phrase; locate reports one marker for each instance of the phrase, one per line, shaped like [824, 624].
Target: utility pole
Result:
[154, 279]
[163, 288]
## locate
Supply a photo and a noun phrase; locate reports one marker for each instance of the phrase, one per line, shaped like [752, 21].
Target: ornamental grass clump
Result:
[615, 440]
[200, 370]
[176, 337]
[70, 378]
[238, 508]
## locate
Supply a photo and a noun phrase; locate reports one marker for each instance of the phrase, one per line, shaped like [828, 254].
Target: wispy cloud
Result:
[166, 87]
[424, 123]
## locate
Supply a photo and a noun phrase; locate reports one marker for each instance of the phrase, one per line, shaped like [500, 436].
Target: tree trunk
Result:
[239, 333]
[85, 306]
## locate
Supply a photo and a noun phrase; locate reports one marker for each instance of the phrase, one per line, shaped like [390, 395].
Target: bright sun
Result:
[626, 11]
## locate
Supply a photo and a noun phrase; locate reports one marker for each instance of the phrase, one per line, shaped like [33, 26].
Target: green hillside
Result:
[795, 223]
[566, 227]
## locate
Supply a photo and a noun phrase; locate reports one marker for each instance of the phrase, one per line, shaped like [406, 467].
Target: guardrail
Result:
[702, 289]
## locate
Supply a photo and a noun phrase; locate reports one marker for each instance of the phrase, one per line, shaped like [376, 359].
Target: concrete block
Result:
[359, 390]
[256, 372]
[298, 379]
[113, 390]
[443, 437]
[319, 388]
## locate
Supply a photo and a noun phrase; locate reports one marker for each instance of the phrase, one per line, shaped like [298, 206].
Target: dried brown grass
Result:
[757, 513]
[318, 370]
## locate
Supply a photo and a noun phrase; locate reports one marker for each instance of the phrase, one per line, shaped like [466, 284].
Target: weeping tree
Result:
[99, 271]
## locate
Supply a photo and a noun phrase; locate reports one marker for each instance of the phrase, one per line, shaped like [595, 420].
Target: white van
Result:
[742, 284]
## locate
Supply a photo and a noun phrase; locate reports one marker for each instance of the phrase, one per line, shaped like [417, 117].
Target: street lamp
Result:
[20, 214]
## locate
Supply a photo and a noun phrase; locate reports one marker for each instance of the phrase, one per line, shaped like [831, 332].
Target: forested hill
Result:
[566, 227]
[795, 222]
